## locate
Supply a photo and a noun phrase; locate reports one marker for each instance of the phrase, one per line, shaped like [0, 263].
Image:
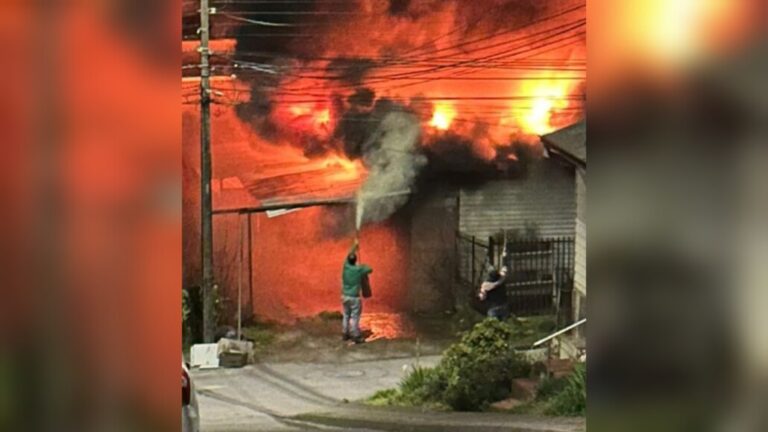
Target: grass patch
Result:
[565, 396]
[318, 326]
[528, 330]
[418, 388]
[384, 397]
[262, 335]
[414, 391]
[550, 387]
[572, 399]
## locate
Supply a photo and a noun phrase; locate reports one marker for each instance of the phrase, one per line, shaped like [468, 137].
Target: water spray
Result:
[360, 205]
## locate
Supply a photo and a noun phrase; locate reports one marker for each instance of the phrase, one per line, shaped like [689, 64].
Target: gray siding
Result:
[580, 254]
[544, 197]
[432, 237]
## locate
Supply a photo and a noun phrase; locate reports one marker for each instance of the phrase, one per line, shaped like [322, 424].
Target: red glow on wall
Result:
[297, 264]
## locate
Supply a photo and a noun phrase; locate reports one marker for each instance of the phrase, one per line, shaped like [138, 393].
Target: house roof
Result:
[569, 142]
[247, 172]
[290, 183]
[300, 182]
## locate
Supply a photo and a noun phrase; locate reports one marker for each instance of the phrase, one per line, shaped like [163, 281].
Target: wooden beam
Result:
[300, 204]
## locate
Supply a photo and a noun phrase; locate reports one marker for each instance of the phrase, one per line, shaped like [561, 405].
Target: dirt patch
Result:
[318, 339]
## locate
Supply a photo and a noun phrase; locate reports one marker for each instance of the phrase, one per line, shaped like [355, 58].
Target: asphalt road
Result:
[268, 397]
[308, 396]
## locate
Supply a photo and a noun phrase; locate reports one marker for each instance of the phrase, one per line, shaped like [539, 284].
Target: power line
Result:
[466, 43]
[299, 13]
[465, 70]
[389, 60]
[321, 99]
[561, 31]
[256, 22]
[524, 42]
[417, 67]
[397, 77]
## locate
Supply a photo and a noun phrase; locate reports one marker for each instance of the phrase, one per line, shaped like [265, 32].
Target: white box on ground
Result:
[204, 356]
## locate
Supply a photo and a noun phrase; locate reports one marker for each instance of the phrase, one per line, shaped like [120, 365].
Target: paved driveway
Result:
[265, 397]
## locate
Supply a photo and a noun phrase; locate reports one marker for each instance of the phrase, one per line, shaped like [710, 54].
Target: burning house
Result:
[411, 121]
[570, 145]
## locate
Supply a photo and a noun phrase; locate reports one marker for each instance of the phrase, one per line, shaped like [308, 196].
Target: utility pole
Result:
[206, 206]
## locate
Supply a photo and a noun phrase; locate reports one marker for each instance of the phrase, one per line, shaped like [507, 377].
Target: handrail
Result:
[559, 332]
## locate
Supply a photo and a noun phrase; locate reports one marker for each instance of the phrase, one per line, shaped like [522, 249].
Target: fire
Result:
[343, 169]
[548, 97]
[323, 117]
[443, 116]
[678, 30]
[310, 118]
[661, 36]
[300, 110]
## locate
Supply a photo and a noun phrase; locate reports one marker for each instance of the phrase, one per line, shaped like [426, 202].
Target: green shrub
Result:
[547, 326]
[572, 399]
[473, 372]
[479, 368]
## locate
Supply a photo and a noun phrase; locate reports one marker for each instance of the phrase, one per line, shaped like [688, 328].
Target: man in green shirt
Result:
[351, 276]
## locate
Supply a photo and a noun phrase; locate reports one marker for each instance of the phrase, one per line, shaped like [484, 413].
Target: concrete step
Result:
[558, 368]
[573, 347]
[506, 404]
[524, 389]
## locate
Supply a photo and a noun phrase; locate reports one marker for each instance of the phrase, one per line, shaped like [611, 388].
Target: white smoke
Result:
[393, 163]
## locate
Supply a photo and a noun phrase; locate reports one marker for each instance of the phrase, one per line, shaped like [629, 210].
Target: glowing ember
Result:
[387, 326]
[443, 116]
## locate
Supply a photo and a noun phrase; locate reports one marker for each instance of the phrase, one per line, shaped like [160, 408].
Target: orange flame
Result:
[443, 116]
[346, 170]
[548, 97]
[310, 118]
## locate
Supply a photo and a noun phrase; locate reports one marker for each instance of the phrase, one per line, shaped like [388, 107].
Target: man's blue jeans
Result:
[353, 307]
[501, 312]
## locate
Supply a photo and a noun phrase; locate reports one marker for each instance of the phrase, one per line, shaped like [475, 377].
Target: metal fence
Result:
[540, 278]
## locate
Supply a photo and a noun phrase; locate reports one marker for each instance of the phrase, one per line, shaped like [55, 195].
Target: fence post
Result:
[556, 291]
[491, 251]
[457, 255]
[473, 260]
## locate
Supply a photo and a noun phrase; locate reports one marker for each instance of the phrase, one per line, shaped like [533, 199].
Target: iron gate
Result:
[540, 278]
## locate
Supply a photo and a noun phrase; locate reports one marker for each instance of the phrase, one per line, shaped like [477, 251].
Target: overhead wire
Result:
[256, 22]
[522, 49]
[421, 64]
